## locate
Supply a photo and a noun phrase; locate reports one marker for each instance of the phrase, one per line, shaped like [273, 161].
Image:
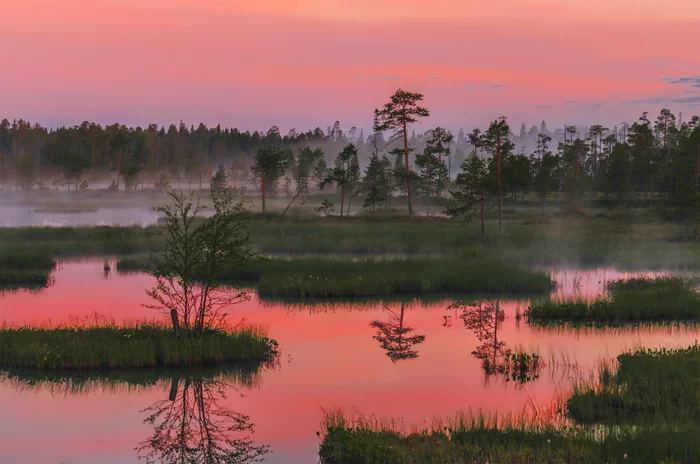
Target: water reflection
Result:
[189, 425]
[485, 319]
[393, 336]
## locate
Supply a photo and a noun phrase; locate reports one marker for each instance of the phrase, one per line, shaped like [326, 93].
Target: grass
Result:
[25, 267]
[480, 439]
[646, 386]
[139, 346]
[362, 278]
[634, 300]
[636, 238]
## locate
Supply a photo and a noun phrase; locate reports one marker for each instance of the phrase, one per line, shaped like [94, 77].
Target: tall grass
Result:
[646, 386]
[328, 278]
[144, 345]
[635, 300]
[361, 278]
[478, 438]
[588, 240]
[25, 267]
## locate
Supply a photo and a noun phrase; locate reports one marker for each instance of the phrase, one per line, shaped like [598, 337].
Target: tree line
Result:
[651, 158]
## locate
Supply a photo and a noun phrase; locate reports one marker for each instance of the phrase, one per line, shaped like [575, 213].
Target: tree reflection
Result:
[394, 338]
[191, 426]
[485, 318]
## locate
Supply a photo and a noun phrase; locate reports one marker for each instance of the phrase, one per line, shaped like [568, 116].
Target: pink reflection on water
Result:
[329, 359]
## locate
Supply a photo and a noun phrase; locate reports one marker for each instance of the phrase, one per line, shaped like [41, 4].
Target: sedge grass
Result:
[325, 278]
[635, 300]
[480, 439]
[138, 346]
[644, 386]
[25, 267]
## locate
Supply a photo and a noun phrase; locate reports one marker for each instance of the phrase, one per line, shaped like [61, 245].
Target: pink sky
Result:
[307, 63]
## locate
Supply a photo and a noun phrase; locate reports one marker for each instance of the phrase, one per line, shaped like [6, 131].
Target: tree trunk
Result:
[498, 180]
[262, 184]
[483, 233]
[119, 167]
[342, 200]
[408, 178]
[176, 323]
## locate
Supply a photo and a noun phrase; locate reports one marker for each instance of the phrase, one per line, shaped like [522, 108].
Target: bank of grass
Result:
[477, 439]
[324, 278]
[635, 300]
[328, 278]
[137, 346]
[633, 239]
[645, 386]
[25, 267]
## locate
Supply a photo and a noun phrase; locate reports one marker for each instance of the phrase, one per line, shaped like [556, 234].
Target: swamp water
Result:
[334, 355]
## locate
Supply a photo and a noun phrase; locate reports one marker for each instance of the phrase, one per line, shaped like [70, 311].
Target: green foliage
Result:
[648, 386]
[195, 255]
[25, 267]
[636, 300]
[112, 347]
[329, 278]
[479, 439]
[377, 183]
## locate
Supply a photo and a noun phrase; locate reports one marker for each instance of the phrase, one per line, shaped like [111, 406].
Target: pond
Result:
[334, 355]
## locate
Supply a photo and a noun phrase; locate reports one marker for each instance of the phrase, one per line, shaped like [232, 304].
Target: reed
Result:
[141, 345]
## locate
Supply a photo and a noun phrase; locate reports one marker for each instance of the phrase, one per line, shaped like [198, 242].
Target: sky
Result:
[307, 63]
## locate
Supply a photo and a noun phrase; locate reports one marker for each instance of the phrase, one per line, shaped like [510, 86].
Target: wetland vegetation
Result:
[633, 300]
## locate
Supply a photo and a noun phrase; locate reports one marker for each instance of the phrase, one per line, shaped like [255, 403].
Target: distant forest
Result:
[653, 157]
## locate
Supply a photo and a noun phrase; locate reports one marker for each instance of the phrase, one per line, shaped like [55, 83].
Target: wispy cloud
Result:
[642, 101]
[686, 100]
[376, 78]
[497, 86]
[570, 102]
[601, 103]
[543, 106]
[693, 81]
[434, 78]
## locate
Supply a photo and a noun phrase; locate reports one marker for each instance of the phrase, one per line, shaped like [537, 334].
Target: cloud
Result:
[377, 78]
[601, 103]
[543, 106]
[434, 78]
[642, 101]
[686, 100]
[497, 86]
[570, 102]
[693, 81]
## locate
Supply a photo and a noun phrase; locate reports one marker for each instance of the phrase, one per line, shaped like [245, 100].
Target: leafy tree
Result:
[197, 252]
[376, 183]
[401, 111]
[439, 144]
[472, 181]
[219, 181]
[340, 175]
[544, 165]
[270, 165]
[305, 164]
[497, 143]
[26, 171]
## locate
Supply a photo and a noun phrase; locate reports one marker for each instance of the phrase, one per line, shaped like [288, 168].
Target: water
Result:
[330, 359]
[34, 216]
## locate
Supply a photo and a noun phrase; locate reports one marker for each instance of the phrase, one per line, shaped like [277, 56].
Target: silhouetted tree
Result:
[401, 111]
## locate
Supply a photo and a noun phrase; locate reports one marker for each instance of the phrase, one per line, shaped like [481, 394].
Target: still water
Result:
[332, 357]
